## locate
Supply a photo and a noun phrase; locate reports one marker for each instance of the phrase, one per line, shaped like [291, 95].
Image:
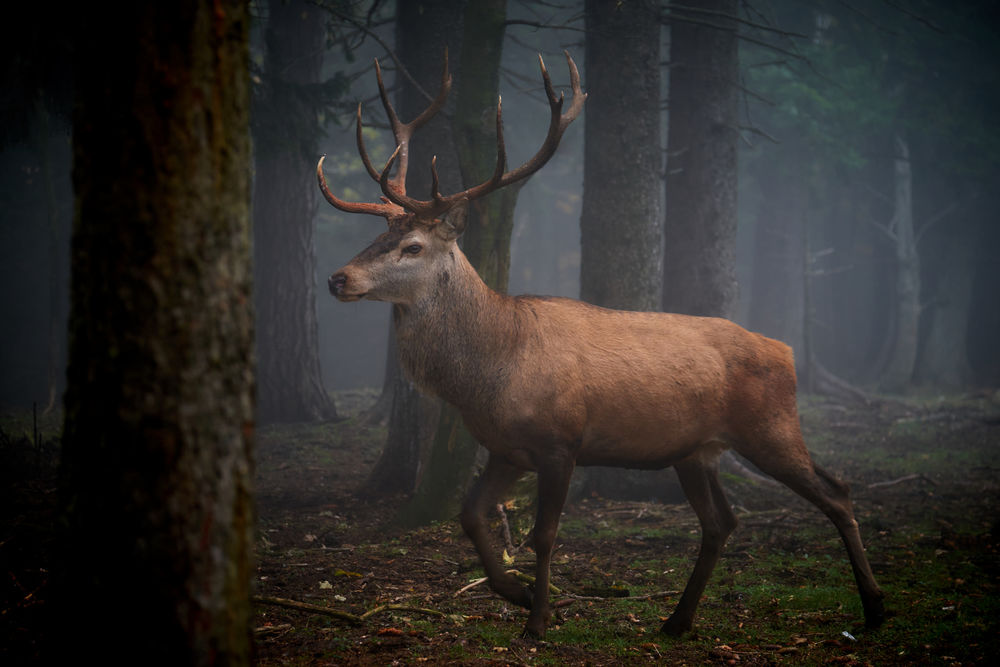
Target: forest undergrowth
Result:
[338, 582]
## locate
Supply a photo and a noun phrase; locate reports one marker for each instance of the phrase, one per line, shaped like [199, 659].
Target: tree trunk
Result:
[903, 356]
[699, 276]
[157, 453]
[778, 297]
[944, 360]
[620, 224]
[423, 30]
[486, 242]
[290, 382]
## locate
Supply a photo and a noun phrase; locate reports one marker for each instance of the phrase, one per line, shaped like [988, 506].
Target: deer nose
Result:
[337, 282]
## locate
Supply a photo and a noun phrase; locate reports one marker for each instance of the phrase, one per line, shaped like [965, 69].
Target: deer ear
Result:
[453, 223]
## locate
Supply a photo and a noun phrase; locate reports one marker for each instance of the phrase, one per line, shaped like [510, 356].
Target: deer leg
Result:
[496, 478]
[553, 484]
[700, 481]
[832, 497]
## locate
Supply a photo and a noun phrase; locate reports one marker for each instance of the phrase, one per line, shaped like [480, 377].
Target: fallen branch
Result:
[900, 480]
[569, 596]
[344, 615]
[310, 608]
[631, 598]
[471, 585]
[402, 607]
[508, 542]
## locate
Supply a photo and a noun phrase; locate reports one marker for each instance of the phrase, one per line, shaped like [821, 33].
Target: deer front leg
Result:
[553, 484]
[700, 481]
[496, 478]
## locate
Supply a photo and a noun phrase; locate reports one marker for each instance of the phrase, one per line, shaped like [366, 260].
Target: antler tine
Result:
[402, 132]
[558, 123]
[438, 103]
[361, 149]
[386, 210]
[395, 200]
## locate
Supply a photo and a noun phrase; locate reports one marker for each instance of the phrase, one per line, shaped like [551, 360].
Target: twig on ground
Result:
[344, 615]
[507, 541]
[900, 480]
[310, 608]
[471, 585]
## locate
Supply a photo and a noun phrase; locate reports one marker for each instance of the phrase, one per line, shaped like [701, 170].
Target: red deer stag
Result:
[546, 384]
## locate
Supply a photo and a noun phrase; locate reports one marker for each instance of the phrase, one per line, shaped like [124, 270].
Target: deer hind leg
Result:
[700, 481]
[832, 497]
[496, 478]
[793, 467]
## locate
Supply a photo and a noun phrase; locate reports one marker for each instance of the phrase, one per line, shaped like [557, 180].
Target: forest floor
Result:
[925, 478]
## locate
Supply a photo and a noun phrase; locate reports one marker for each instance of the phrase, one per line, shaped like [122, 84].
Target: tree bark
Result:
[899, 371]
[157, 453]
[778, 294]
[699, 276]
[486, 242]
[289, 377]
[423, 30]
[944, 359]
[620, 224]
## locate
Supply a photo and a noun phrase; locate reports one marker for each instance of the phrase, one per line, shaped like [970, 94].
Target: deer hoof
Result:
[530, 632]
[874, 614]
[675, 627]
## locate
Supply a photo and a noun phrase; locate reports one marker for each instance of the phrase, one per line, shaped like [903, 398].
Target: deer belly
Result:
[645, 441]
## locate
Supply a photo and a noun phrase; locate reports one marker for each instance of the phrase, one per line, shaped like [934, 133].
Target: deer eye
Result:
[413, 249]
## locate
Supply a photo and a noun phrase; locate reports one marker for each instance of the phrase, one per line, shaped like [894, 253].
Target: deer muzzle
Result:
[338, 287]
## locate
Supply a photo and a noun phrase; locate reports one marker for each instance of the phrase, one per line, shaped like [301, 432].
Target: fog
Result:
[843, 211]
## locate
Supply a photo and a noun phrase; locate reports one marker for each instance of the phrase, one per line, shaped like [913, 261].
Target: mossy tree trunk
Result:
[157, 454]
[423, 30]
[450, 463]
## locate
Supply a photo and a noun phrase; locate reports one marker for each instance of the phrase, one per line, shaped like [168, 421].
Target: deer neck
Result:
[453, 340]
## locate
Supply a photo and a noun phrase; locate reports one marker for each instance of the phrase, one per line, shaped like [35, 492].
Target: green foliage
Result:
[862, 76]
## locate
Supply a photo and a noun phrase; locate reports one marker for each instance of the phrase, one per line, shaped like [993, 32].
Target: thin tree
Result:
[156, 459]
[620, 223]
[621, 219]
[423, 31]
[286, 145]
[699, 275]
[486, 242]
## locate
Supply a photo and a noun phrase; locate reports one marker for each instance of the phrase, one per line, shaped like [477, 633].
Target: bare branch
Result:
[732, 17]
[388, 49]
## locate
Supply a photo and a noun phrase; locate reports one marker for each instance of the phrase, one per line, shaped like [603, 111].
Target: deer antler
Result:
[395, 200]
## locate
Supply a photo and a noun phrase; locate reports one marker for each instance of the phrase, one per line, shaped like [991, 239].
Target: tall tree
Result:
[156, 459]
[699, 275]
[905, 325]
[486, 241]
[423, 31]
[620, 224]
[286, 138]
[620, 221]
[778, 298]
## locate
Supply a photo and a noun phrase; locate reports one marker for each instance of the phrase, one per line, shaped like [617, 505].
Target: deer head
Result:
[422, 236]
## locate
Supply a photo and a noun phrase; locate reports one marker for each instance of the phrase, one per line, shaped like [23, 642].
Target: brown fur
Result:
[546, 384]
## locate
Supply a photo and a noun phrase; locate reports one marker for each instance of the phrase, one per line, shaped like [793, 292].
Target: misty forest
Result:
[241, 425]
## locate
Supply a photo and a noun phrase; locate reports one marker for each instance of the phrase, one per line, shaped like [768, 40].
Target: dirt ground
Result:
[924, 478]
